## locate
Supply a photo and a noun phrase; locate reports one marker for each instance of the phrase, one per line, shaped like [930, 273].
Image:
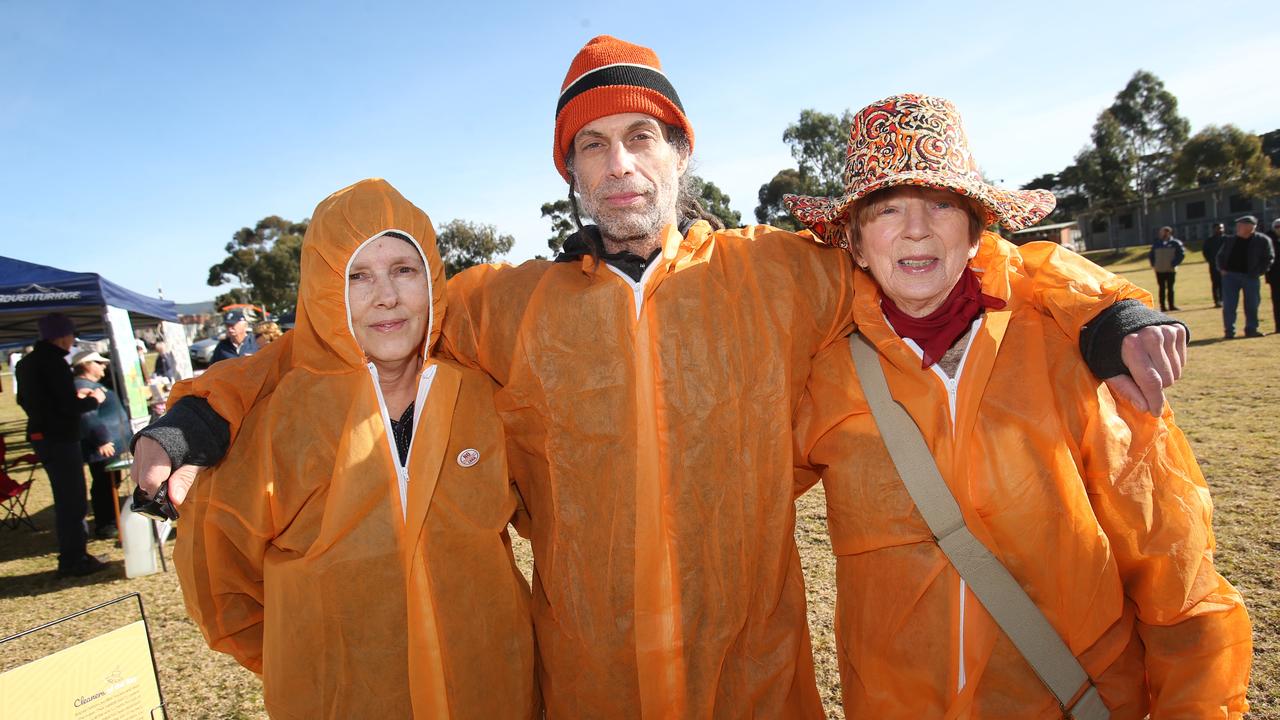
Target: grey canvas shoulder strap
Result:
[1002, 596]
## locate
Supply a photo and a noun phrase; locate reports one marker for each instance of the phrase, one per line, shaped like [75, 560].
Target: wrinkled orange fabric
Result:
[296, 555]
[649, 430]
[1100, 511]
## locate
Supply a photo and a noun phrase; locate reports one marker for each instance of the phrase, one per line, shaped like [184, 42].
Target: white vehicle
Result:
[202, 351]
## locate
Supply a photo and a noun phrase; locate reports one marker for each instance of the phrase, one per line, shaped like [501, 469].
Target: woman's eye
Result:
[353, 277]
[406, 270]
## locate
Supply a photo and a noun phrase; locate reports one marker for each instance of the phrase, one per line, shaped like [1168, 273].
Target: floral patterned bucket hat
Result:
[913, 140]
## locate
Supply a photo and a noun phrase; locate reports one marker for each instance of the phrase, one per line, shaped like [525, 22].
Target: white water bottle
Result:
[139, 543]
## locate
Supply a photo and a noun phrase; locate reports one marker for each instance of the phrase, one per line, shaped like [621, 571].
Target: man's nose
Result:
[621, 161]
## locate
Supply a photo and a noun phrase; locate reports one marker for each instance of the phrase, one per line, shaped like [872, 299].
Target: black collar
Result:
[580, 244]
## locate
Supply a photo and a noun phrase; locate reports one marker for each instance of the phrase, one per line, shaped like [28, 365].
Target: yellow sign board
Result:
[110, 677]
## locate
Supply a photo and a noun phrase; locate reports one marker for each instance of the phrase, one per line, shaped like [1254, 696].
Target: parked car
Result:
[202, 351]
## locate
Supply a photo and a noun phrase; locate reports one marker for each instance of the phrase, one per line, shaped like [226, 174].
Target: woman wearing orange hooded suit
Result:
[1099, 512]
[351, 548]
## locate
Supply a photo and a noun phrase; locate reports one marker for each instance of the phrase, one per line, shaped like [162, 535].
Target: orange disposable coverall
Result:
[298, 554]
[649, 430]
[1100, 512]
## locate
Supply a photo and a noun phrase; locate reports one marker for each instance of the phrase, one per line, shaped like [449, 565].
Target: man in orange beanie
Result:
[647, 379]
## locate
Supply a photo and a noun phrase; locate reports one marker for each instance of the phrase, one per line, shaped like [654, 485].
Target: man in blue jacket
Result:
[238, 342]
[1167, 253]
[1244, 258]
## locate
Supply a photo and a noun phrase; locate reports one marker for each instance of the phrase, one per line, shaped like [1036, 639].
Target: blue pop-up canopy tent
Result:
[29, 291]
[99, 307]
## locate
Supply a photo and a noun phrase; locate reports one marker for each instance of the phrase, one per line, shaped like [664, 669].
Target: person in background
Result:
[1243, 259]
[104, 433]
[47, 393]
[238, 342]
[1273, 274]
[1167, 252]
[265, 332]
[1210, 251]
[166, 366]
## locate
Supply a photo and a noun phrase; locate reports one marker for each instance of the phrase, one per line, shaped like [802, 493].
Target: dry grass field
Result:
[1224, 403]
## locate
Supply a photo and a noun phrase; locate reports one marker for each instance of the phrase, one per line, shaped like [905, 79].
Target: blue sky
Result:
[136, 137]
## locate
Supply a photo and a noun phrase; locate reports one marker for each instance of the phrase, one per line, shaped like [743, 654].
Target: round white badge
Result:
[468, 457]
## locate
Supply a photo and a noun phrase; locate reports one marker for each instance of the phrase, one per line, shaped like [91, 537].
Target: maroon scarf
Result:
[936, 332]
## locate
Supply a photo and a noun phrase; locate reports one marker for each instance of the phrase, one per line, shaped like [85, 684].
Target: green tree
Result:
[1226, 154]
[715, 202]
[235, 296]
[818, 143]
[1067, 187]
[264, 260]
[771, 211]
[1107, 168]
[463, 244]
[562, 225]
[1046, 181]
[1149, 123]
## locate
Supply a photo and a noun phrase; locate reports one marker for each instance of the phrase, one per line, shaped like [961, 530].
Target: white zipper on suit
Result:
[402, 468]
[952, 384]
[637, 288]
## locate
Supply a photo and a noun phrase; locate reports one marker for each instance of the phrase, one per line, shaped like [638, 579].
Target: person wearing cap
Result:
[48, 395]
[647, 379]
[1099, 512]
[1273, 274]
[1244, 258]
[238, 341]
[1210, 251]
[104, 432]
[1167, 253]
[351, 548]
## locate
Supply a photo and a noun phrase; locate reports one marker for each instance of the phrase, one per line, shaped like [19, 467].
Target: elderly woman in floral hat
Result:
[1010, 541]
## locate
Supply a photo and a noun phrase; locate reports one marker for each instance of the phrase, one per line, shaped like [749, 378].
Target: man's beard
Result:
[631, 226]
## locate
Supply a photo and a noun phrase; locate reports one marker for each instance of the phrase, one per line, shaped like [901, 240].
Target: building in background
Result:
[1066, 234]
[1191, 213]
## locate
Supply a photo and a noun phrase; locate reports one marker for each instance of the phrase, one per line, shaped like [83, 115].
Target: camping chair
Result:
[7, 464]
[13, 494]
[13, 501]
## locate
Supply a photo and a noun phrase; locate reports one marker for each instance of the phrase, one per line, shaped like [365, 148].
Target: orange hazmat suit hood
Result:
[341, 225]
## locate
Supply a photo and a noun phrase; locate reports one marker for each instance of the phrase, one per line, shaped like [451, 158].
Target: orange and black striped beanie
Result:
[609, 76]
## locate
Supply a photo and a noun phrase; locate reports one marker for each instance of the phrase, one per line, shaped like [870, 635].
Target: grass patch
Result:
[1223, 403]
